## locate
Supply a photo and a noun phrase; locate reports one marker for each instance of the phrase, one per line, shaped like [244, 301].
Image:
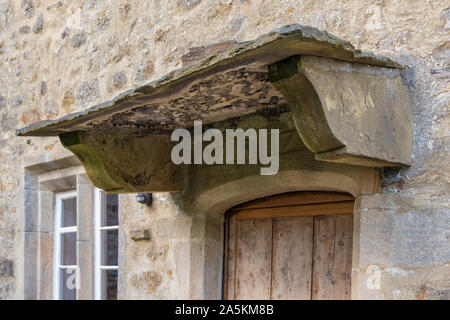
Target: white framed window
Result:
[65, 247]
[106, 228]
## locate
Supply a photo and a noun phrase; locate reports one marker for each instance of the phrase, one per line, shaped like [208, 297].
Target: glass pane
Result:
[112, 211]
[68, 284]
[69, 212]
[109, 283]
[69, 249]
[110, 241]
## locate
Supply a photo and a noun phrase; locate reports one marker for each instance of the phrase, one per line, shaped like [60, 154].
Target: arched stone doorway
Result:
[214, 190]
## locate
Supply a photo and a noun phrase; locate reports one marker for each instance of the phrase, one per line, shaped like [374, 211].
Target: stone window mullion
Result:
[85, 238]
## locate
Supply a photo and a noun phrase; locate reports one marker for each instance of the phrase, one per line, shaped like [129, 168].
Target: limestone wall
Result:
[58, 57]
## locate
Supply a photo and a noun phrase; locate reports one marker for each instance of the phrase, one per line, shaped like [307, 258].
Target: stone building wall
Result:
[58, 57]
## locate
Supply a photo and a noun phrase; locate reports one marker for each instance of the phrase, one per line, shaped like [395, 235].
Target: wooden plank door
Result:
[293, 246]
[292, 258]
[332, 261]
[253, 263]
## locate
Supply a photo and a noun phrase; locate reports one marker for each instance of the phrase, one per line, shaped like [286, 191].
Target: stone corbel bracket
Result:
[349, 107]
[348, 112]
[118, 162]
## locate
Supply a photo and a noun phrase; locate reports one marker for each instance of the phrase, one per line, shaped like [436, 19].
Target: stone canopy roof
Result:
[224, 85]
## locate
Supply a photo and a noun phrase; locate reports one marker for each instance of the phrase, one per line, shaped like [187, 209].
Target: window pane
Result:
[112, 211]
[110, 241]
[69, 212]
[109, 283]
[68, 284]
[69, 248]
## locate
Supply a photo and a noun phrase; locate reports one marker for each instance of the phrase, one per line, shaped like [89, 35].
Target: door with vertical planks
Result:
[290, 246]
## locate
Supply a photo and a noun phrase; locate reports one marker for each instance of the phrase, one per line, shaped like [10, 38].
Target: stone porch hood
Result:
[348, 107]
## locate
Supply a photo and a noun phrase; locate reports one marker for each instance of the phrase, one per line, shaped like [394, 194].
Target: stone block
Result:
[6, 268]
[140, 234]
[85, 262]
[31, 212]
[46, 265]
